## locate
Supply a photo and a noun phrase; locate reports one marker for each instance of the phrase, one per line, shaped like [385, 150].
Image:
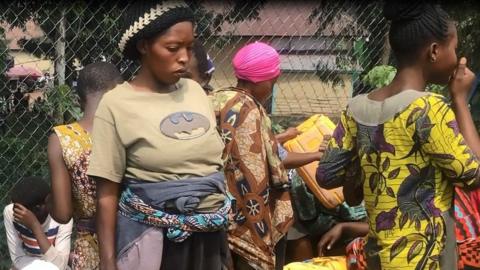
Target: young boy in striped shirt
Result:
[35, 240]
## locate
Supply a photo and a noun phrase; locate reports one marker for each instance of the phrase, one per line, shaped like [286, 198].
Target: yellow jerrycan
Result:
[312, 132]
[322, 263]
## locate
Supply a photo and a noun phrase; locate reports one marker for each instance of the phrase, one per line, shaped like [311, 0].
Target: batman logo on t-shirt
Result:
[184, 125]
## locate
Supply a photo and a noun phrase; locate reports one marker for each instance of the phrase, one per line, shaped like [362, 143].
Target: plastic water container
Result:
[312, 132]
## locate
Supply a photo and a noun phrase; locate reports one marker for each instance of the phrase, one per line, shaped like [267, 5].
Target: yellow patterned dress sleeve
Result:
[341, 156]
[445, 145]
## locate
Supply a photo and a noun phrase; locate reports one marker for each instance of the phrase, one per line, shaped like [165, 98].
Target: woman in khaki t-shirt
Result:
[156, 135]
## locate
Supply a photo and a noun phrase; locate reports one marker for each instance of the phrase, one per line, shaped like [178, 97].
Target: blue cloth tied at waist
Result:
[142, 205]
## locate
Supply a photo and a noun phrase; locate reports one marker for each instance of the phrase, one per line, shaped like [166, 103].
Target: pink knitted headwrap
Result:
[256, 62]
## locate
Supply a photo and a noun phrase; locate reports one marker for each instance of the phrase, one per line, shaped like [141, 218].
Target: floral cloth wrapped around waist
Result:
[178, 226]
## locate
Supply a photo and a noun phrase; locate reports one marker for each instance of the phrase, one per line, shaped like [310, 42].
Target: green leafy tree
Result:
[363, 42]
[383, 75]
[367, 35]
[380, 76]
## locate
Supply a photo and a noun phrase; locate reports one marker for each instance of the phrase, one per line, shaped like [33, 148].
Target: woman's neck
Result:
[245, 86]
[146, 82]
[409, 78]
[89, 110]
[87, 122]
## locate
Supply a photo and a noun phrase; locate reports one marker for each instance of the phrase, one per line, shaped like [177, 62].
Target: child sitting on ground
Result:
[35, 240]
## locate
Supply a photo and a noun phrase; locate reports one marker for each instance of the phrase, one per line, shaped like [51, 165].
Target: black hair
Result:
[154, 28]
[96, 78]
[201, 56]
[30, 191]
[414, 24]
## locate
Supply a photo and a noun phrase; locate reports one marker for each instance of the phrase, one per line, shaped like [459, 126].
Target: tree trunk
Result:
[60, 49]
[386, 51]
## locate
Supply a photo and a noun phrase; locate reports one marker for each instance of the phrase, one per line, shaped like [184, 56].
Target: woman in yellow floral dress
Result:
[404, 149]
[68, 154]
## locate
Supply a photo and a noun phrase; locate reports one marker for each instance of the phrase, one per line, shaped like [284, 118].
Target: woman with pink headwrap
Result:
[254, 171]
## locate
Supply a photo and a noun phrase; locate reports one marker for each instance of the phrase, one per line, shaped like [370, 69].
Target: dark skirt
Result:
[200, 251]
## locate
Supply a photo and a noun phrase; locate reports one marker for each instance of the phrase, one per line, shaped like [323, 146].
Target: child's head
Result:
[422, 34]
[33, 193]
[96, 79]
[200, 67]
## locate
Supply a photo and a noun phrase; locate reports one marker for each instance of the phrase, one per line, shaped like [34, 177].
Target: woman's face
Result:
[167, 55]
[445, 59]
[264, 90]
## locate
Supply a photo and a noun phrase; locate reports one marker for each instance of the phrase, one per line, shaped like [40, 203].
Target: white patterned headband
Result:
[147, 18]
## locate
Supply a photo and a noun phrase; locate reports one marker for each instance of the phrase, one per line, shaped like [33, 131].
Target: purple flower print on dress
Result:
[454, 126]
[339, 134]
[386, 220]
[432, 209]
[380, 142]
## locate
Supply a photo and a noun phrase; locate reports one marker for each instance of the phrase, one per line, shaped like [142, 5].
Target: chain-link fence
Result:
[326, 47]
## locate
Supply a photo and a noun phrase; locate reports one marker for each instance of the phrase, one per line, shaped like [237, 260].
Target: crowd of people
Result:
[165, 172]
